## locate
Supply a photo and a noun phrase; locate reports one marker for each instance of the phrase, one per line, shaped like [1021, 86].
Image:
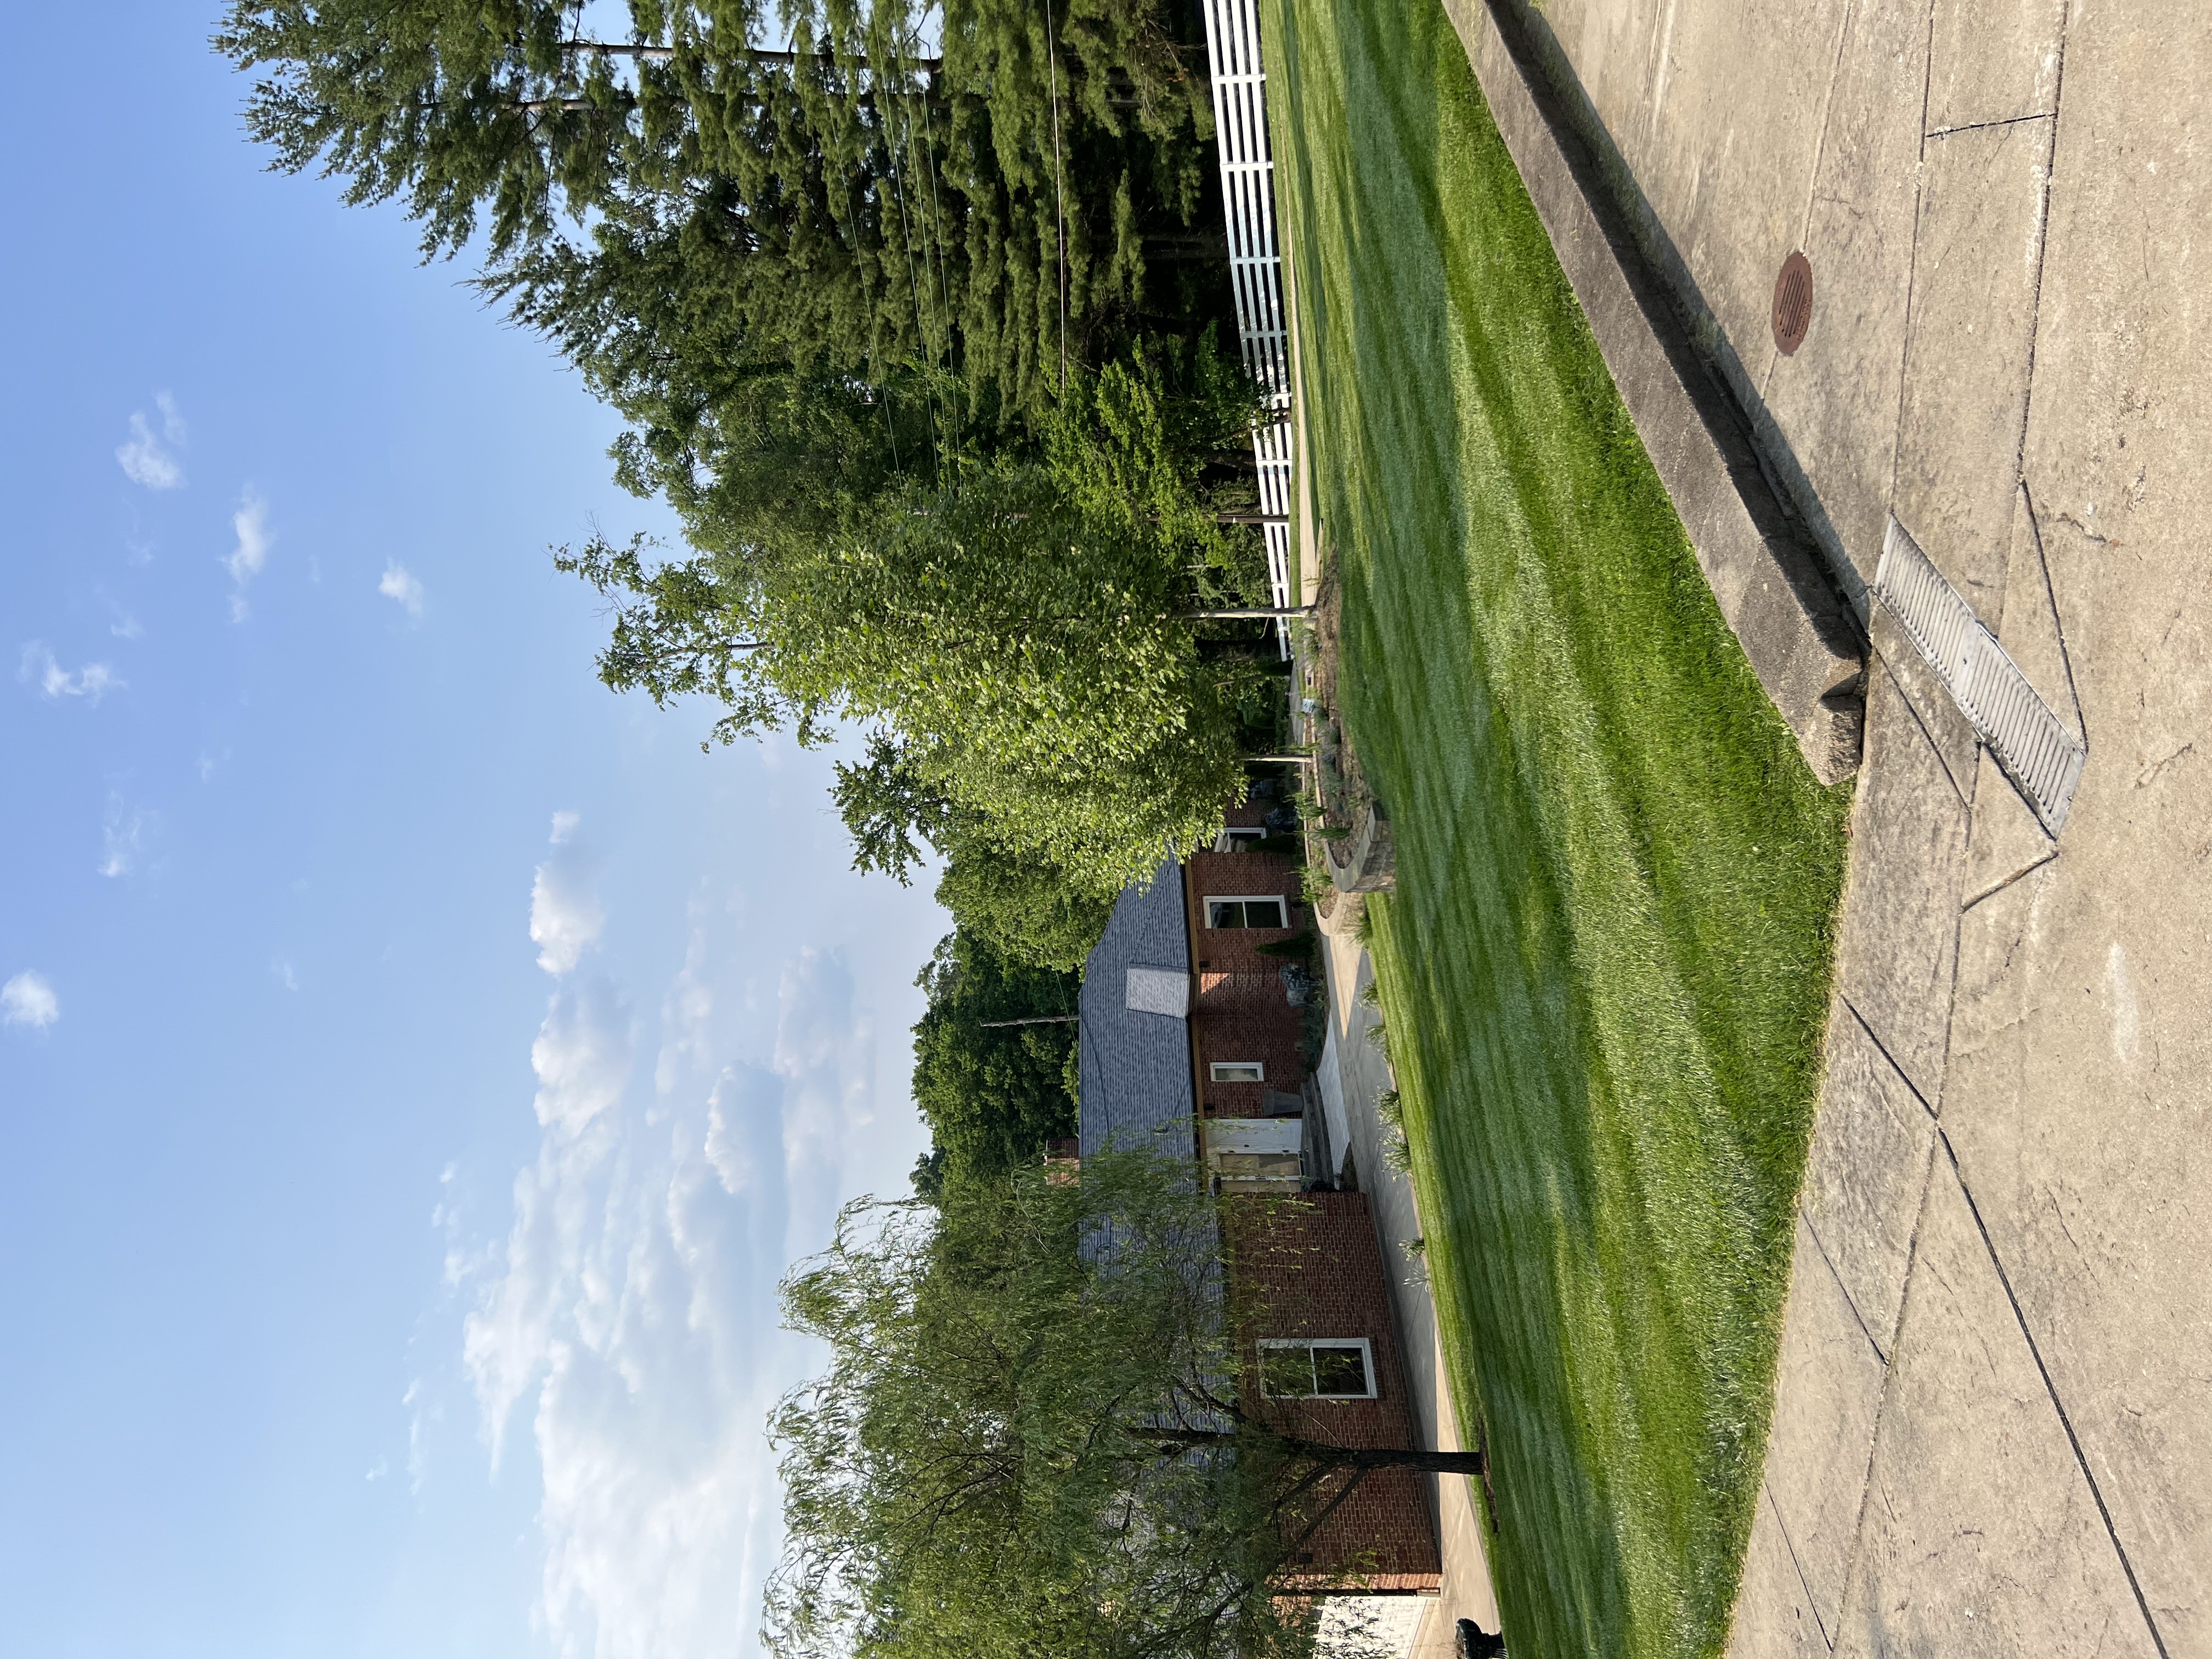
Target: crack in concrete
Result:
[1912, 262]
[2024, 870]
[2042, 248]
[2051, 1388]
[1980, 126]
[1820, 156]
[1867, 1494]
[2152, 773]
[1927, 92]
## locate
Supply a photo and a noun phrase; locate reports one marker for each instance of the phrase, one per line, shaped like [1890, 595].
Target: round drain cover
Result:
[1793, 303]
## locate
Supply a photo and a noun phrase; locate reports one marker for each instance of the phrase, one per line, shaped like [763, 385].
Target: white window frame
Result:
[1280, 901]
[1367, 1357]
[1229, 839]
[1257, 1067]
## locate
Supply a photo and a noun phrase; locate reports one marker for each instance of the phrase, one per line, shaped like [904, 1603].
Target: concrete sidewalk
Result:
[1363, 1075]
[1993, 1431]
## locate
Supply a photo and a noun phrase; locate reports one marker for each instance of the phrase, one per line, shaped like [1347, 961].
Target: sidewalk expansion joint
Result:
[1850, 1301]
[2065, 1421]
[2051, 597]
[1875, 1037]
[1926, 736]
[1803, 1583]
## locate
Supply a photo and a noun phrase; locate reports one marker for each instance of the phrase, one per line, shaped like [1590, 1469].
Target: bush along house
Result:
[1193, 1042]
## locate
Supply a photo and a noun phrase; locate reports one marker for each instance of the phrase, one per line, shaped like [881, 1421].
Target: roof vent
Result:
[1160, 991]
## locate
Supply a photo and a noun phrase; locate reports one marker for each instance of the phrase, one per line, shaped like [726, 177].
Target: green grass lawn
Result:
[1605, 969]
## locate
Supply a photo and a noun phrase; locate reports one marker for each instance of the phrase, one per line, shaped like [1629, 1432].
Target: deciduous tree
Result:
[993, 1092]
[1035, 1434]
[1023, 637]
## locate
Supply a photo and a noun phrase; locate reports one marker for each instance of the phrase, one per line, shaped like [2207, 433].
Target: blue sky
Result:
[417, 1064]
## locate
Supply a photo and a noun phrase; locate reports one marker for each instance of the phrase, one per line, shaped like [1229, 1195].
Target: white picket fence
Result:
[1255, 263]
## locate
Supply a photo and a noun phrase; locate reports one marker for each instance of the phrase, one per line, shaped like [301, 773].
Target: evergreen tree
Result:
[848, 206]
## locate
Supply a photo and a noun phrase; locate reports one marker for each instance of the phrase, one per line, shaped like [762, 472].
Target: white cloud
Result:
[630, 1313]
[247, 559]
[39, 668]
[581, 1056]
[27, 1000]
[821, 1039]
[143, 457]
[398, 583]
[421, 1417]
[565, 917]
[123, 836]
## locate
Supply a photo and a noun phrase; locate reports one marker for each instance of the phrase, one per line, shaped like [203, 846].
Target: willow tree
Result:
[1035, 1433]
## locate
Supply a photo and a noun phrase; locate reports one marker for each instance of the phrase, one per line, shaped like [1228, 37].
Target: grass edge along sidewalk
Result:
[1605, 969]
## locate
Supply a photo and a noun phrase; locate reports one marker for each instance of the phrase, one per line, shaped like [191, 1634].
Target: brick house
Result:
[1190, 1041]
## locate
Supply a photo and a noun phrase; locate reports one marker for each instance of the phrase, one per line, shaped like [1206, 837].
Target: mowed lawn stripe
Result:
[1604, 973]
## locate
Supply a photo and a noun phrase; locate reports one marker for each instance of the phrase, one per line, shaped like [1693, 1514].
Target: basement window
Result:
[1239, 840]
[1317, 1368]
[1245, 911]
[1239, 1071]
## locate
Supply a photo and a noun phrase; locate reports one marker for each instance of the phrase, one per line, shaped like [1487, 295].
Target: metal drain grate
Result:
[2037, 752]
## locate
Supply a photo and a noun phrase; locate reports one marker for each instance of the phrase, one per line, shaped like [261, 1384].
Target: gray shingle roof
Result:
[1135, 1066]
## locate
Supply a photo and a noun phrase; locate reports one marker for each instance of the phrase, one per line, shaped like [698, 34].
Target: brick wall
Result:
[1240, 1010]
[1311, 1267]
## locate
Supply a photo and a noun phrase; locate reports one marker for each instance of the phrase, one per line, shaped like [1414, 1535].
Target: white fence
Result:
[1255, 264]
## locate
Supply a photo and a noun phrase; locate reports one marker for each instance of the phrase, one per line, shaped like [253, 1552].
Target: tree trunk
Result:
[1343, 1457]
[1430, 1462]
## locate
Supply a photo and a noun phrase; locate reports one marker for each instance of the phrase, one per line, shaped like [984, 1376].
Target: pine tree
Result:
[983, 219]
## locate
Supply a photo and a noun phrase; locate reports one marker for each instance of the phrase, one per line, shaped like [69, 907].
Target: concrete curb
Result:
[1803, 641]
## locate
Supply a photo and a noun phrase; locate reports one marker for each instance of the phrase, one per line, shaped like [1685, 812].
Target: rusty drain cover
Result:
[1793, 303]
